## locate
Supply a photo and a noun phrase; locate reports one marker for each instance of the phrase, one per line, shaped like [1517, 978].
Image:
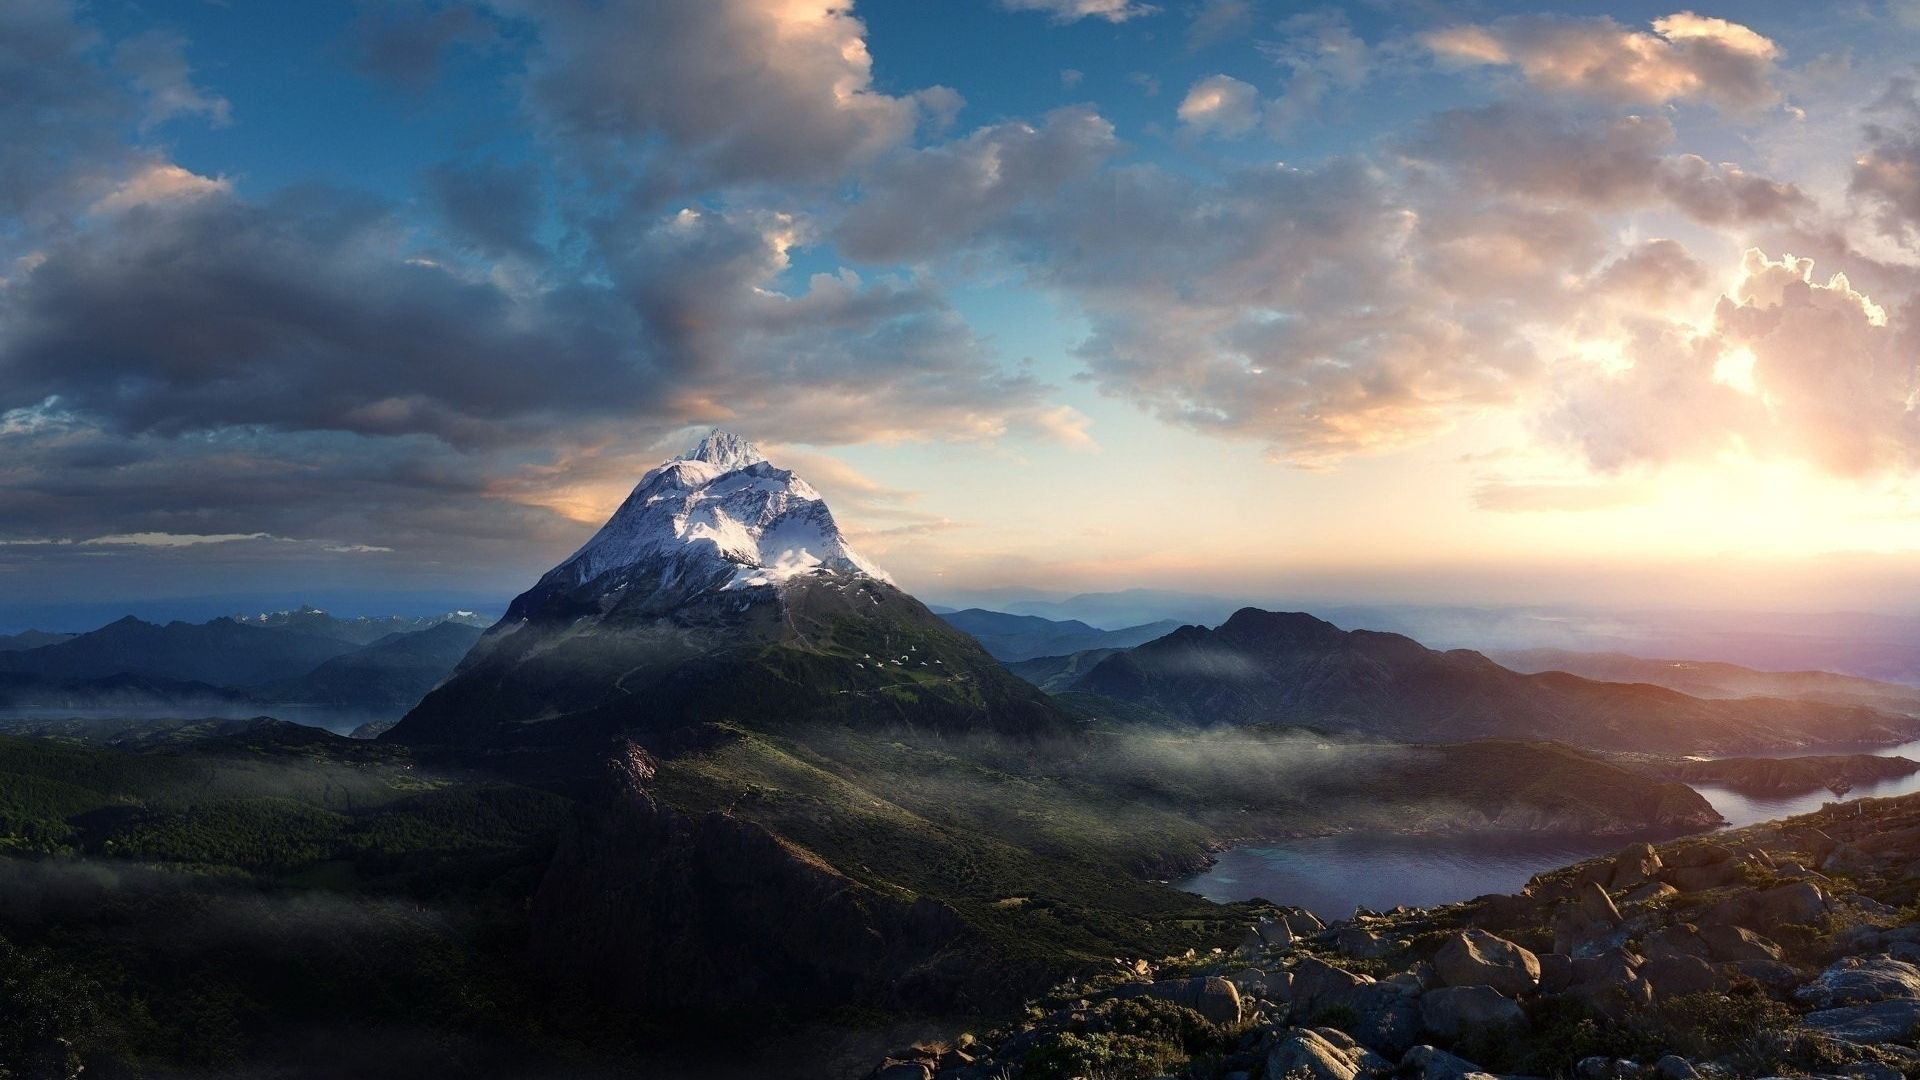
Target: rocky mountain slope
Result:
[1789, 948]
[1291, 668]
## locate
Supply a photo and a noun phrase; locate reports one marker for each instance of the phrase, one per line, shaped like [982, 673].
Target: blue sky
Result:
[1375, 301]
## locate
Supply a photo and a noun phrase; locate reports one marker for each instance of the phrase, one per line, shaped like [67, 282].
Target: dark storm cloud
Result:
[302, 313]
[406, 43]
[491, 206]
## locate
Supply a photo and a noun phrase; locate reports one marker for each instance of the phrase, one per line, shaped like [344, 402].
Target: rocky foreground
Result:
[1788, 948]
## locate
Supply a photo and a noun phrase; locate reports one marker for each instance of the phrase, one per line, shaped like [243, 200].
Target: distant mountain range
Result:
[1714, 679]
[1010, 638]
[303, 657]
[1263, 667]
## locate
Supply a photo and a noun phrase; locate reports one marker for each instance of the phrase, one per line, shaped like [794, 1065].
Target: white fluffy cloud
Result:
[1222, 105]
[1071, 10]
[1681, 57]
[1790, 366]
[710, 91]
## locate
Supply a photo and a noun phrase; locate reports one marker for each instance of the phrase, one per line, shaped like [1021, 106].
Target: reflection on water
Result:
[1330, 875]
[1741, 810]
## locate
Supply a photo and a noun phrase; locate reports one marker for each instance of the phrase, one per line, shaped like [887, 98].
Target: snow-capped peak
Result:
[721, 513]
[725, 449]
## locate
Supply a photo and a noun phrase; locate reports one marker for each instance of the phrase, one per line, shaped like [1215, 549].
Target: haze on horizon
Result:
[1534, 304]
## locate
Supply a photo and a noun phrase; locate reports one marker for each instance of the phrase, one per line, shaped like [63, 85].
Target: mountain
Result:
[398, 669]
[721, 589]
[1715, 679]
[1292, 668]
[1011, 638]
[361, 629]
[30, 639]
[1058, 674]
[220, 653]
[120, 691]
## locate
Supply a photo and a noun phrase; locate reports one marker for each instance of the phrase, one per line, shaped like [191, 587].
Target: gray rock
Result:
[904, 1070]
[1596, 905]
[1477, 958]
[1302, 921]
[1454, 1010]
[1388, 1020]
[1319, 986]
[1735, 943]
[1634, 867]
[1799, 902]
[1706, 854]
[1427, 1063]
[1322, 1054]
[1904, 950]
[1209, 995]
[1882, 1021]
[1653, 890]
[1860, 981]
[1681, 939]
[1771, 974]
[1675, 1067]
[1702, 878]
[1673, 976]
[1364, 944]
[1275, 933]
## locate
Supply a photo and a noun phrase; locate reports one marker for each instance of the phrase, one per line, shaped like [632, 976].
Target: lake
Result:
[1330, 875]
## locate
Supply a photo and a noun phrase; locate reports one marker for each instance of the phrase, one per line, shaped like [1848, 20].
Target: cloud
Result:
[1510, 149]
[708, 92]
[1322, 57]
[1114, 11]
[1790, 367]
[1523, 497]
[1215, 21]
[156, 64]
[491, 206]
[1886, 174]
[1220, 104]
[1685, 57]
[157, 184]
[974, 182]
[407, 43]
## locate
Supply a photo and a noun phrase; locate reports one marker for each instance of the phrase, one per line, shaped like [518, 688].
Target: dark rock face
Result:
[654, 908]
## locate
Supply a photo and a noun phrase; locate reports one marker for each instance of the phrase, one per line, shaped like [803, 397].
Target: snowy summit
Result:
[720, 512]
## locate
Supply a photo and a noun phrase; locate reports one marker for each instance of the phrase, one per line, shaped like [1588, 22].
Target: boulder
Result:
[1322, 1054]
[1798, 902]
[1455, 1010]
[1364, 944]
[1609, 984]
[1673, 976]
[1675, 1067]
[1501, 912]
[1771, 974]
[1248, 981]
[1428, 1063]
[1681, 939]
[1301, 921]
[1596, 906]
[1319, 986]
[1880, 1022]
[1387, 1020]
[1735, 943]
[1251, 945]
[1209, 995]
[1705, 854]
[1653, 890]
[1276, 932]
[903, 1070]
[1860, 981]
[1477, 958]
[1280, 987]
[1702, 878]
[1633, 867]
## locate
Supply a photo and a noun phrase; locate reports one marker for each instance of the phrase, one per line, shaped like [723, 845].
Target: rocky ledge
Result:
[1788, 948]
